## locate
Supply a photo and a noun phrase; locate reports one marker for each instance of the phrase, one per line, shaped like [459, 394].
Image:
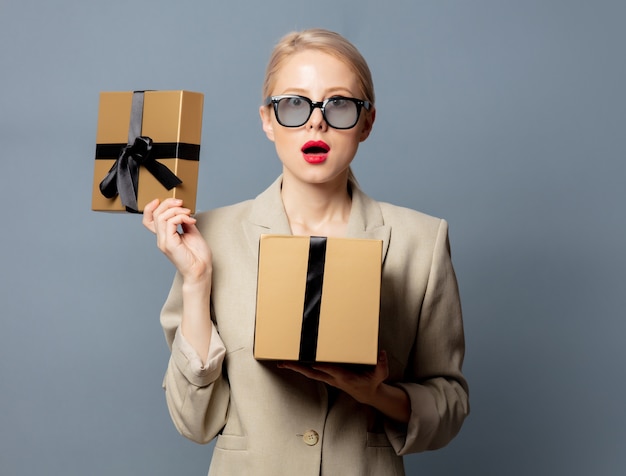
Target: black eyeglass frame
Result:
[360, 103]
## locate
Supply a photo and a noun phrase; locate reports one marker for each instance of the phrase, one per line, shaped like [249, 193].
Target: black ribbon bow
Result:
[123, 177]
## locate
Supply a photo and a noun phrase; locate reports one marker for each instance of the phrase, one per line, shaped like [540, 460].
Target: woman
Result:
[274, 419]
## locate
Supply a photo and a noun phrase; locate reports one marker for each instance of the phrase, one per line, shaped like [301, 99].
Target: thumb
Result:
[148, 215]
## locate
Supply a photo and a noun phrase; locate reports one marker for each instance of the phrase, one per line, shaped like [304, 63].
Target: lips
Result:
[315, 152]
[315, 147]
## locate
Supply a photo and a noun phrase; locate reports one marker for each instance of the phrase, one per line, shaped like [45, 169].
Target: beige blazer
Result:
[271, 421]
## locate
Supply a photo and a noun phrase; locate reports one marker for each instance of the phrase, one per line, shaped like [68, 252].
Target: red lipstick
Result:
[315, 151]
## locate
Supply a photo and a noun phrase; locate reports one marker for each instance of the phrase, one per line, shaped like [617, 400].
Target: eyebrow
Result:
[329, 93]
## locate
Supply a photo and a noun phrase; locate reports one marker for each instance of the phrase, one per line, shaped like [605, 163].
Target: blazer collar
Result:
[267, 216]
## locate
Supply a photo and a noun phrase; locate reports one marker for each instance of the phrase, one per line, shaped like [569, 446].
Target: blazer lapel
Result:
[267, 216]
[366, 220]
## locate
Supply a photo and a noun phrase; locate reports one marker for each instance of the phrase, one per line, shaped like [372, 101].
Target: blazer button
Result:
[311, 437]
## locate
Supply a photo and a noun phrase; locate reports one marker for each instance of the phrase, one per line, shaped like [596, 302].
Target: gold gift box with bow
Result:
[172, 123]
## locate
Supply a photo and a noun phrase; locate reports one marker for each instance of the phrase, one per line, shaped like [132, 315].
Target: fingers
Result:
[167, 217]
[148, 215]
[164, 218]
[361, 383]
[155, 209]
[307, 371]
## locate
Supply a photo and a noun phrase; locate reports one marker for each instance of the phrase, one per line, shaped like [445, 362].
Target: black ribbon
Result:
[312, 299]
[123, 177]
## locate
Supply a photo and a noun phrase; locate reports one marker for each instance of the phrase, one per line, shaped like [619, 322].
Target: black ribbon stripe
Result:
[312, 299]
[160, 150]
[123, 177]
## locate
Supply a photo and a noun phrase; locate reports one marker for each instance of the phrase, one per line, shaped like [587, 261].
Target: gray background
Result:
[505, 117]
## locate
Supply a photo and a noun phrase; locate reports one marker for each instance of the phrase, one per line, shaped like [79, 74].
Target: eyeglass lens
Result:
[340, 113]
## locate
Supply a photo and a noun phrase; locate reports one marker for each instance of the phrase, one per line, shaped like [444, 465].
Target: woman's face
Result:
[315, 153]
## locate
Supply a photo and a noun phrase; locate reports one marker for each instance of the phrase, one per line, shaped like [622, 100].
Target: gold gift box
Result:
[173, 122]
[344, 329]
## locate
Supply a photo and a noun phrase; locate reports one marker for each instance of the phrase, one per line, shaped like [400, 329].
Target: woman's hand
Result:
[188, 251]
[366, 387]
[191, 255]
[362, 386]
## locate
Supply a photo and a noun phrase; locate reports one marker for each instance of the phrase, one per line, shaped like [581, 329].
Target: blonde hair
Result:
[326, 41]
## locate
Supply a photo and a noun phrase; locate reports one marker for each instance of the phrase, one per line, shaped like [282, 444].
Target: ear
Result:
[368, 123]
[266, 119]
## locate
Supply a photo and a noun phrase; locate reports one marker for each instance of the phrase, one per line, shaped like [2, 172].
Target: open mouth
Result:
[315, 148]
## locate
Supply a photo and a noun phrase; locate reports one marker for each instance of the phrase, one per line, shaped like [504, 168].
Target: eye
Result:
[338, 102]
[294, 102]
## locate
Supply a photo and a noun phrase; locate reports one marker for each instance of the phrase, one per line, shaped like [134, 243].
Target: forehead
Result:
[315, 72]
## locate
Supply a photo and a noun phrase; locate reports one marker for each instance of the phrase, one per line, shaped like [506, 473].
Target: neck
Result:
[317, 209]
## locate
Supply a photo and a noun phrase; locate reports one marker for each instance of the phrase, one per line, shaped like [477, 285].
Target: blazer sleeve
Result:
[435, 384]
[197, 395]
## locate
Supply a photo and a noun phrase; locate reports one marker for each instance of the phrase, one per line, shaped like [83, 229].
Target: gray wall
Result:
[507, 118]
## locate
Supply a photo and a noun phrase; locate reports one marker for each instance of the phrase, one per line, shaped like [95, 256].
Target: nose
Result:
[317, 121]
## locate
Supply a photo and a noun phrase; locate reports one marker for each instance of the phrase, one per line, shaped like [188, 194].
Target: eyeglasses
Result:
[339, 112]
